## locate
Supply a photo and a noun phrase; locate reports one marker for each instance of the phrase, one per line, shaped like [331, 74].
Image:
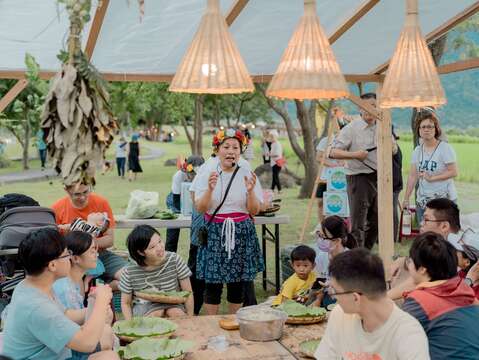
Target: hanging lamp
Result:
[412, 79]
[212, 64]
[308, 68]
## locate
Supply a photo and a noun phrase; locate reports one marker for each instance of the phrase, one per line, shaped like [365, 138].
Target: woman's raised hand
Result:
[212, 180]
[250, 182]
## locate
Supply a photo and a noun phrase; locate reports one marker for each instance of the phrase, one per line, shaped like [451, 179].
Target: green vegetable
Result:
[167, 215]
[309, 346]
[143, 327]
[292, 308]
[183, 294]
[155, 349]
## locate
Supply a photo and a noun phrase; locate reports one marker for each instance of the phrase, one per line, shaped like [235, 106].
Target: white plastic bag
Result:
[142, 204]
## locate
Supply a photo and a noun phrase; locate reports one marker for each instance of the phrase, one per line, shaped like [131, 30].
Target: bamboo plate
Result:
[130, 339]
[306, 320]
[161, 298]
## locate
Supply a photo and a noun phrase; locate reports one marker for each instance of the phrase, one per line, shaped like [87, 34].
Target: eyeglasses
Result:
[424, 220]
[333, 293]
[68, 255]
[427, 127]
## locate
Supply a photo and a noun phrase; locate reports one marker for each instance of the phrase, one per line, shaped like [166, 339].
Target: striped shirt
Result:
[166, 277]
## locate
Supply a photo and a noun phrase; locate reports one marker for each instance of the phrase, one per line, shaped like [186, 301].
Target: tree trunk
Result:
[327, 118]
[191, 141]
[26, 143]
[217, 113]
[310, 163]
[198, 126]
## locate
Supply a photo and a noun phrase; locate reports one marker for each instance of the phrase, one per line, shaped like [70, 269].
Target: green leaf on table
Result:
[155, 349]
[295, 309]
[309, 346]
[144, 326]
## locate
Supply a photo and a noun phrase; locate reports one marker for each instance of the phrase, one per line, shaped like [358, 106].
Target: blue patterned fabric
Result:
[197, 220]
[213, 265]
[170, 203]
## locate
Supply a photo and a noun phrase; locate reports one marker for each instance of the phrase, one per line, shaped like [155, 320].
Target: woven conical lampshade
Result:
[412, 79]
[212, 64]
[308, 68]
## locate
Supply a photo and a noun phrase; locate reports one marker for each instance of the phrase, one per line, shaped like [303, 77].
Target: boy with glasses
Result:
[366, 324]
[81, 203]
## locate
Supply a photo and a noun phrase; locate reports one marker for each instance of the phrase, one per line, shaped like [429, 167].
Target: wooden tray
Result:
[306, 320]
[161, 298]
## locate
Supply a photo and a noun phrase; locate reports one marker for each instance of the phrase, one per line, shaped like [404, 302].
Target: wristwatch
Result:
[469, 281]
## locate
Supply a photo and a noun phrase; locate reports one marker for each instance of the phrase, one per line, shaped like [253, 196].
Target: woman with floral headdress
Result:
[230, 253]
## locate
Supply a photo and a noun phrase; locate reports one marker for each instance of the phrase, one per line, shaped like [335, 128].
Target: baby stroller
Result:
[16, 222]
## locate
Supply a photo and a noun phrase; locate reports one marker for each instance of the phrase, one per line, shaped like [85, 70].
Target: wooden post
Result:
[13, 93]
[385, 188]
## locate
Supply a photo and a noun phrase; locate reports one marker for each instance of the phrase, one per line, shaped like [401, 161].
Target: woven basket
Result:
[130, 339]
[270, 211]
[161, 298]
[305, 320]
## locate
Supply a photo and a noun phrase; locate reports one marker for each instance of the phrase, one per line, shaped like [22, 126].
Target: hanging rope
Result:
[228, 236]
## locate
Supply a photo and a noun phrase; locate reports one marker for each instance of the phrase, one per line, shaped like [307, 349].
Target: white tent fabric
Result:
[157, 44]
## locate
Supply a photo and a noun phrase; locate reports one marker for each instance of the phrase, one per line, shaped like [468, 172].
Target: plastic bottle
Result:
[406, 222]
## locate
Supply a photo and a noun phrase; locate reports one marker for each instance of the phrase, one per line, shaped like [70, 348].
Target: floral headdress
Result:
[222, 135]
[187, 168]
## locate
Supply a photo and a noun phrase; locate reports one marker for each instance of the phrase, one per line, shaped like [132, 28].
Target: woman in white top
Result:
[433, 164]
[121, 152]
[275, 154]
[231, 253]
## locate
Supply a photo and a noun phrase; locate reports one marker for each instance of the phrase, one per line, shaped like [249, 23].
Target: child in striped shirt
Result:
[154, 268]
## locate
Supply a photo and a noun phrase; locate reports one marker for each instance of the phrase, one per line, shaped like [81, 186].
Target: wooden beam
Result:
[385, 188]
[459, 66]
[96, 27]
[13, 93]
[235, 10]
[365, 106]
[441, 30]
[360, 12]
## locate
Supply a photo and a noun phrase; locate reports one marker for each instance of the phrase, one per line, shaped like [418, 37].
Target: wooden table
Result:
[266, 235]
[200, 328]
[293, 335]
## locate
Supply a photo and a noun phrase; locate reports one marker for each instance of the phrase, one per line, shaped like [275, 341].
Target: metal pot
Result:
[261, 323]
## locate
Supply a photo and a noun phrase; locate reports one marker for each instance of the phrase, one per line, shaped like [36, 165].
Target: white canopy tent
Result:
[363, 34]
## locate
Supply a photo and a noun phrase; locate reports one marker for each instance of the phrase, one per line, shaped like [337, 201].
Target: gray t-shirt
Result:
[358, 135]
[434, 162]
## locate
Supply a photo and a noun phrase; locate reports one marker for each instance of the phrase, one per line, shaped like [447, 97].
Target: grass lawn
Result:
[157, 177]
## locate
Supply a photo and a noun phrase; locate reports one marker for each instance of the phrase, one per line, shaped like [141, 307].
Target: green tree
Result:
[22, 116]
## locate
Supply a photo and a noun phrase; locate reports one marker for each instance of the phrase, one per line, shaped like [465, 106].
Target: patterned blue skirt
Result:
[246, 260]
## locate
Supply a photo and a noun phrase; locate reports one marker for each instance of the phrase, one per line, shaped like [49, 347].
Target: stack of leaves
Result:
[77, 121]
[309, 347]
[295, 309]
[166, 215]
[144, 327]
[155, 349]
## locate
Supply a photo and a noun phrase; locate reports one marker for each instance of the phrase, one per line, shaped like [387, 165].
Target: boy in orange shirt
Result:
[82, 203]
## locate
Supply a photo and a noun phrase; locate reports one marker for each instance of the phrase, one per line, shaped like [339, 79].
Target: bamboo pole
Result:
[385, 189]
[332, 127]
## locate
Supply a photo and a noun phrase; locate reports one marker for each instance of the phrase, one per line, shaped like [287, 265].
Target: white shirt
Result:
[276, 152]
[121, 150]
[179, 178]
[237, 196]
[401, 337]
[321, 147]
[434, 163]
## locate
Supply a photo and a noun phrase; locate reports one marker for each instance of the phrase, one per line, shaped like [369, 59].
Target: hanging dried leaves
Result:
[77, 121]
